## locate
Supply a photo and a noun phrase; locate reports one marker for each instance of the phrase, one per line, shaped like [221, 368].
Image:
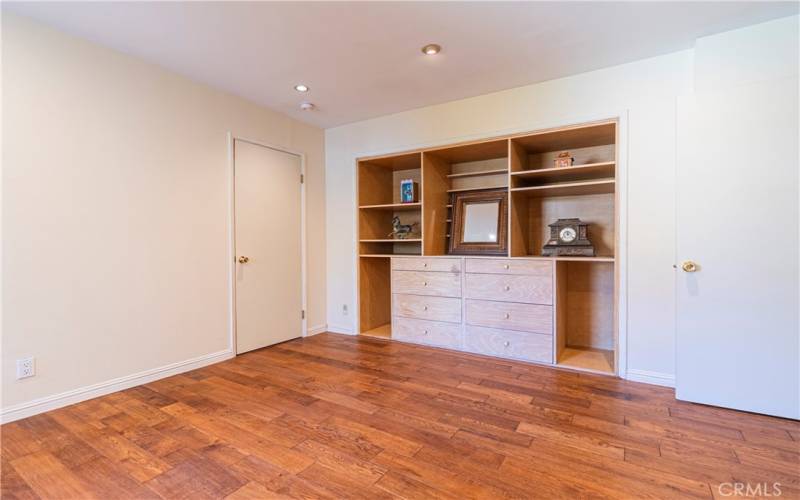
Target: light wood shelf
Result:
[604, 186]
[477, 151]
[564, 258]
[587, 359]
[478, 173]
[392, 240]
[393, 206]
[474, 189]
[583, 259]
[405, 161]
[589, 171]
[568, 138]
[383, 332]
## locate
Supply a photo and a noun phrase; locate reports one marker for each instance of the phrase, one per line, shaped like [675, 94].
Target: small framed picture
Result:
[408, 191]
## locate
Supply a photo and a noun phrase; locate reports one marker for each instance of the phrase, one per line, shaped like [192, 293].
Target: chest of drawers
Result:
[497, 307]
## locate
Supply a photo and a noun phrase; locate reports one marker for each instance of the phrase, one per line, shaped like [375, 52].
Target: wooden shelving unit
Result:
[585, 290]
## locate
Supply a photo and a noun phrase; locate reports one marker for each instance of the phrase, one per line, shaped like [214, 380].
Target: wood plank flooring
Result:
[334, 416]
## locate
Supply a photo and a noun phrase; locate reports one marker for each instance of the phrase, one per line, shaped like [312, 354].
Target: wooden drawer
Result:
[430, 308]
[427, 332]
[426, 264]
[427, 283]
[511, 266]
[509, 344]
[509, 288]
[510, 316]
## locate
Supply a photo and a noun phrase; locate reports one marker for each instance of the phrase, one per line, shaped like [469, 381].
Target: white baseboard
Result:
[655, 378]
[55, 401]
[347, 330]
[313, 330]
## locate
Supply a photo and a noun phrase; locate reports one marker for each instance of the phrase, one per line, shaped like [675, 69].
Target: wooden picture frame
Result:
[461, 201]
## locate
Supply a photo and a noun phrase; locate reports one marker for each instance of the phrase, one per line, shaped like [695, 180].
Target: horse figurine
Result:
[401, 231]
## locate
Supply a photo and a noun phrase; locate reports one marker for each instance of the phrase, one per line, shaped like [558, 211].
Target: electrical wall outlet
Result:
[25, 368]
[344, 309]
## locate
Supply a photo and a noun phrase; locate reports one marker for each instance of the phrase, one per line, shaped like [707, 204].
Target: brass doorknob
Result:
[689, 266]
[244, 260]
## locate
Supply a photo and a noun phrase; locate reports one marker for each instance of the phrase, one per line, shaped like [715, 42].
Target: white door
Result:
[737, 313]
[268, 211]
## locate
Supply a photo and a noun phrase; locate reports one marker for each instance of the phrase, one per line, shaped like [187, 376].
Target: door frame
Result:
[231, 138]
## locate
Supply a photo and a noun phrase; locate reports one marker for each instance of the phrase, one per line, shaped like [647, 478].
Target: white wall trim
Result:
[647, 377]
[316, 329]
[345, 329]
[232, 231]
[73, 396]
[621, 252]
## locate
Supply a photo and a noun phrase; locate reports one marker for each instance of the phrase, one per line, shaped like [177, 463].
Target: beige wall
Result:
[115, 212]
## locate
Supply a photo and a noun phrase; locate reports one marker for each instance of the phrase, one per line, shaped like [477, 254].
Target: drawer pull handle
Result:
[505, 266]
[424, 264]
[424, 283]
[425, 332]
[424, 308]
[506, 343]
[508, 315]
[506, 288]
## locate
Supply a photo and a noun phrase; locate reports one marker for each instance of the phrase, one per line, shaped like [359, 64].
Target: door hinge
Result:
[303, 314]
[302, 178]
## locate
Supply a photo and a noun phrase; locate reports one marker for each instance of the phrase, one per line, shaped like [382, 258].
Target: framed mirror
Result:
[480, 224]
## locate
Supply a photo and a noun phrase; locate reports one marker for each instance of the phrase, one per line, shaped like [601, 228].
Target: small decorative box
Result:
[564, 160]
[408, 191]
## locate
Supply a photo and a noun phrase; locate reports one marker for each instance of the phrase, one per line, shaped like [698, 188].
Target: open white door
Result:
[738, 337]
[268, 238]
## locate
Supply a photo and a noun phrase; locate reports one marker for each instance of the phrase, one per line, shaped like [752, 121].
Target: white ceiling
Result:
[363, 59]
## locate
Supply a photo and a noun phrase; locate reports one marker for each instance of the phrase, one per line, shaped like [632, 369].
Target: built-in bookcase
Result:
[585, 287]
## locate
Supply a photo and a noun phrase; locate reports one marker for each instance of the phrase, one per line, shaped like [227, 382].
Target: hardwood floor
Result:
[334, 416]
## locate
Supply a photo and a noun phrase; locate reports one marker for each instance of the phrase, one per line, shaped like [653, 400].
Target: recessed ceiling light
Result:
[301, 88]
[431, 49]
[307, 106]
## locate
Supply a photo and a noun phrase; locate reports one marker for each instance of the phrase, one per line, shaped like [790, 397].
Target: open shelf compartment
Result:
[543, 176]
[585, 321]
[375, 305]
[531, 215]
[375, 226]
[390, 247]
[592, 146]
[465, 167]
[379, 178]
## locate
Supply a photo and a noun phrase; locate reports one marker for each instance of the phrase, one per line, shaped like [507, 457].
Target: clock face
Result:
[567, 235]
